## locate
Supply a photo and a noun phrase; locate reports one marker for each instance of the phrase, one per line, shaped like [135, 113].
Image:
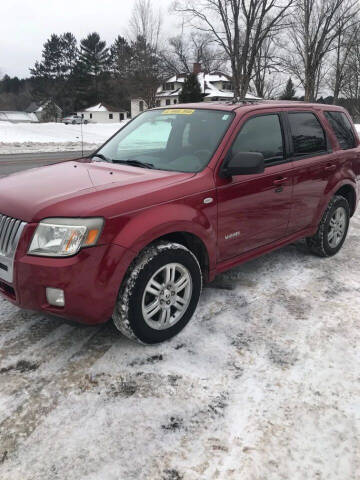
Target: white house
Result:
[102, 113]
[215, 86]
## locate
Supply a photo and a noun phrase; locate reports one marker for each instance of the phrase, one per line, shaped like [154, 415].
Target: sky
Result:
[27, 24]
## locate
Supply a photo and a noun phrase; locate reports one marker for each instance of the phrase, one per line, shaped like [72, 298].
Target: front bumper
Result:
[90, 280]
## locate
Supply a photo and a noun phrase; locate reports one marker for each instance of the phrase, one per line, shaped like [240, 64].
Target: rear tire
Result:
[332, 230]
[159, 294]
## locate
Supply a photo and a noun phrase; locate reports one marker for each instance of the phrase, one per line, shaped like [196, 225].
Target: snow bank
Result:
[26, 137]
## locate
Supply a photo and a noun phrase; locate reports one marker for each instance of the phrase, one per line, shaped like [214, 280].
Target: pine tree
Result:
[289, 92]
[94, 60]
[191, 91]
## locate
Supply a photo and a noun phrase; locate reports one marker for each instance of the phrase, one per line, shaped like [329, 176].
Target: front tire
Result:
[159, 294]
[332, 230]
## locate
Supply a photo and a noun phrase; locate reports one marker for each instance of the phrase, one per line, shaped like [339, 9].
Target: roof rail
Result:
[246, 100]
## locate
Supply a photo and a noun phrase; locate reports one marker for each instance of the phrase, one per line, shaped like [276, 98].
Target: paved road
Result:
[22, 161]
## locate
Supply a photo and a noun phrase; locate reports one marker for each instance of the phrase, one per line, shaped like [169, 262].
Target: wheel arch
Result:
[192, 228]
[349, 193]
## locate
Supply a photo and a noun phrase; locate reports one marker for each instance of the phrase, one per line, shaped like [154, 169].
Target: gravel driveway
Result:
[263, 384]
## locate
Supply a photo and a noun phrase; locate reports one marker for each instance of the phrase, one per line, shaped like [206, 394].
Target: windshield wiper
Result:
[135, 163]
[100, 155]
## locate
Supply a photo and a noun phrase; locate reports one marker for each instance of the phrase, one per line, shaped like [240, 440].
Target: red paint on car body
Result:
[248, 216]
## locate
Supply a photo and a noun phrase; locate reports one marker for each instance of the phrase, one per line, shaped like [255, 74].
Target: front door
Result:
[254, 210]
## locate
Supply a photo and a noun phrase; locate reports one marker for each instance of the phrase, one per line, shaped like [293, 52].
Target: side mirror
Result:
[244, 163]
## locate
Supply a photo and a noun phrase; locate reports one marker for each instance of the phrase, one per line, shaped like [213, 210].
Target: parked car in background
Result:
[74, 119]
[174, 198]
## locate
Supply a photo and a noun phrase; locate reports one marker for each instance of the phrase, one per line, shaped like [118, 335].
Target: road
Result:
[22, 161]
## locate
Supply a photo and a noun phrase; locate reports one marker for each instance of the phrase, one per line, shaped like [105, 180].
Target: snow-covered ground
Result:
[263, 384]
[52, 137]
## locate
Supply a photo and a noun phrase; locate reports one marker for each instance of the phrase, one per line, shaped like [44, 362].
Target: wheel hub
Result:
[167, 296]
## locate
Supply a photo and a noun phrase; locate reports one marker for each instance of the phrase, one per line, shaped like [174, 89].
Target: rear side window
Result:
[307, 133]
[261, 134]
[342, 129]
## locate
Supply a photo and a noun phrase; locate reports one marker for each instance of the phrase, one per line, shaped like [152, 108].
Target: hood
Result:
[82, 189]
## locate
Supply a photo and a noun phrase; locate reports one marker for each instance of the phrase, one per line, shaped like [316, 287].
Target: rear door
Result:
[254, 210]
[314, 165]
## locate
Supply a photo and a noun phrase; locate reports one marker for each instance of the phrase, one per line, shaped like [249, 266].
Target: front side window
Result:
[171, 139]
[342, 129]
[307, 134]
[261, 134]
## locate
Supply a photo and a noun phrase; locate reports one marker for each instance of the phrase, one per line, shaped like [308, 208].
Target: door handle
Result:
[330, 168]
[279, 181]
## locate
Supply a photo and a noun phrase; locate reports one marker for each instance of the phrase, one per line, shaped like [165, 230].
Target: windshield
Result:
[180, 139]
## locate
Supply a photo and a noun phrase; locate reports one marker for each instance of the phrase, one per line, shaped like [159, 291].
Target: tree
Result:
[185, 50]
[191, 90]
[239, 27]
[313, 31]
[344, 43]
[147, 68]
[289, 92]
[51, 75]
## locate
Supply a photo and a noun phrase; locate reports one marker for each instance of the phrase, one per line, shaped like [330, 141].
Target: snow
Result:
[27, 137]
[262, 384]
[17, 117]
[97, 108]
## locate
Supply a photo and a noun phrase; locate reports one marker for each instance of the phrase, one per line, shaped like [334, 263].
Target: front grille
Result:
[9, 228]
[10, 233]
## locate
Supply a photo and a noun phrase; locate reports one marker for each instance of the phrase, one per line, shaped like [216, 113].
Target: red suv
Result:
[172, 199]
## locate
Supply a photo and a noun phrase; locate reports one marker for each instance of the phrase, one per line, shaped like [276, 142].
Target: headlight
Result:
[62, 237]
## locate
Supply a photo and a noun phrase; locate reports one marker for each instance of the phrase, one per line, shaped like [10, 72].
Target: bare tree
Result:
[146, 65]
[351, 84]
[343, 46]
[267, 65]
[240, 27]
[185, 50]
[145, 22]
[313, 31]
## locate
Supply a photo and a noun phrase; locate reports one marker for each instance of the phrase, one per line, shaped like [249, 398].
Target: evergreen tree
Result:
[289, 92]
[120, 57]
[191, 91]
[94, 59]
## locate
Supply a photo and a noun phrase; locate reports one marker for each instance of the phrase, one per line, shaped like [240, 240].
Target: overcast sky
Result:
[27, 24]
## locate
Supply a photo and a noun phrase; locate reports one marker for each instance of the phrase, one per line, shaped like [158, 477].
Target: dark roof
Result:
[112, 108]
[32, 107]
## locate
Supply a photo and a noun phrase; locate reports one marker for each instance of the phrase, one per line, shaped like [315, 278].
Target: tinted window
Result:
[261, 134]
[342, 129]
[307, 133]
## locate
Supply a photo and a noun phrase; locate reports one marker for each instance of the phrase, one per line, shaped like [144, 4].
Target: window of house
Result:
[168, 102]
[110, 116]
[158, 103]
[307, 133]
[141, 106]
[342, 129]
[121, 116]
[175, 101]
[261, 134]
[227, 86]
[90, 115]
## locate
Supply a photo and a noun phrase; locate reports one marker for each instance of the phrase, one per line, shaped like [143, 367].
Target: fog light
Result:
[55, 297]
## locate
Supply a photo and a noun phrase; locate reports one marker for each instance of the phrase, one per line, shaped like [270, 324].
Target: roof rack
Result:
[246, 100]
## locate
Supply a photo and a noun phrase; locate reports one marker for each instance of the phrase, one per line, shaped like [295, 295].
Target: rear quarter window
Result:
[342, 129]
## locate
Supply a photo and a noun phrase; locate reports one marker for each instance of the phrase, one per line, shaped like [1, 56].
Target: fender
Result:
[145, 226]
[330, 192]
